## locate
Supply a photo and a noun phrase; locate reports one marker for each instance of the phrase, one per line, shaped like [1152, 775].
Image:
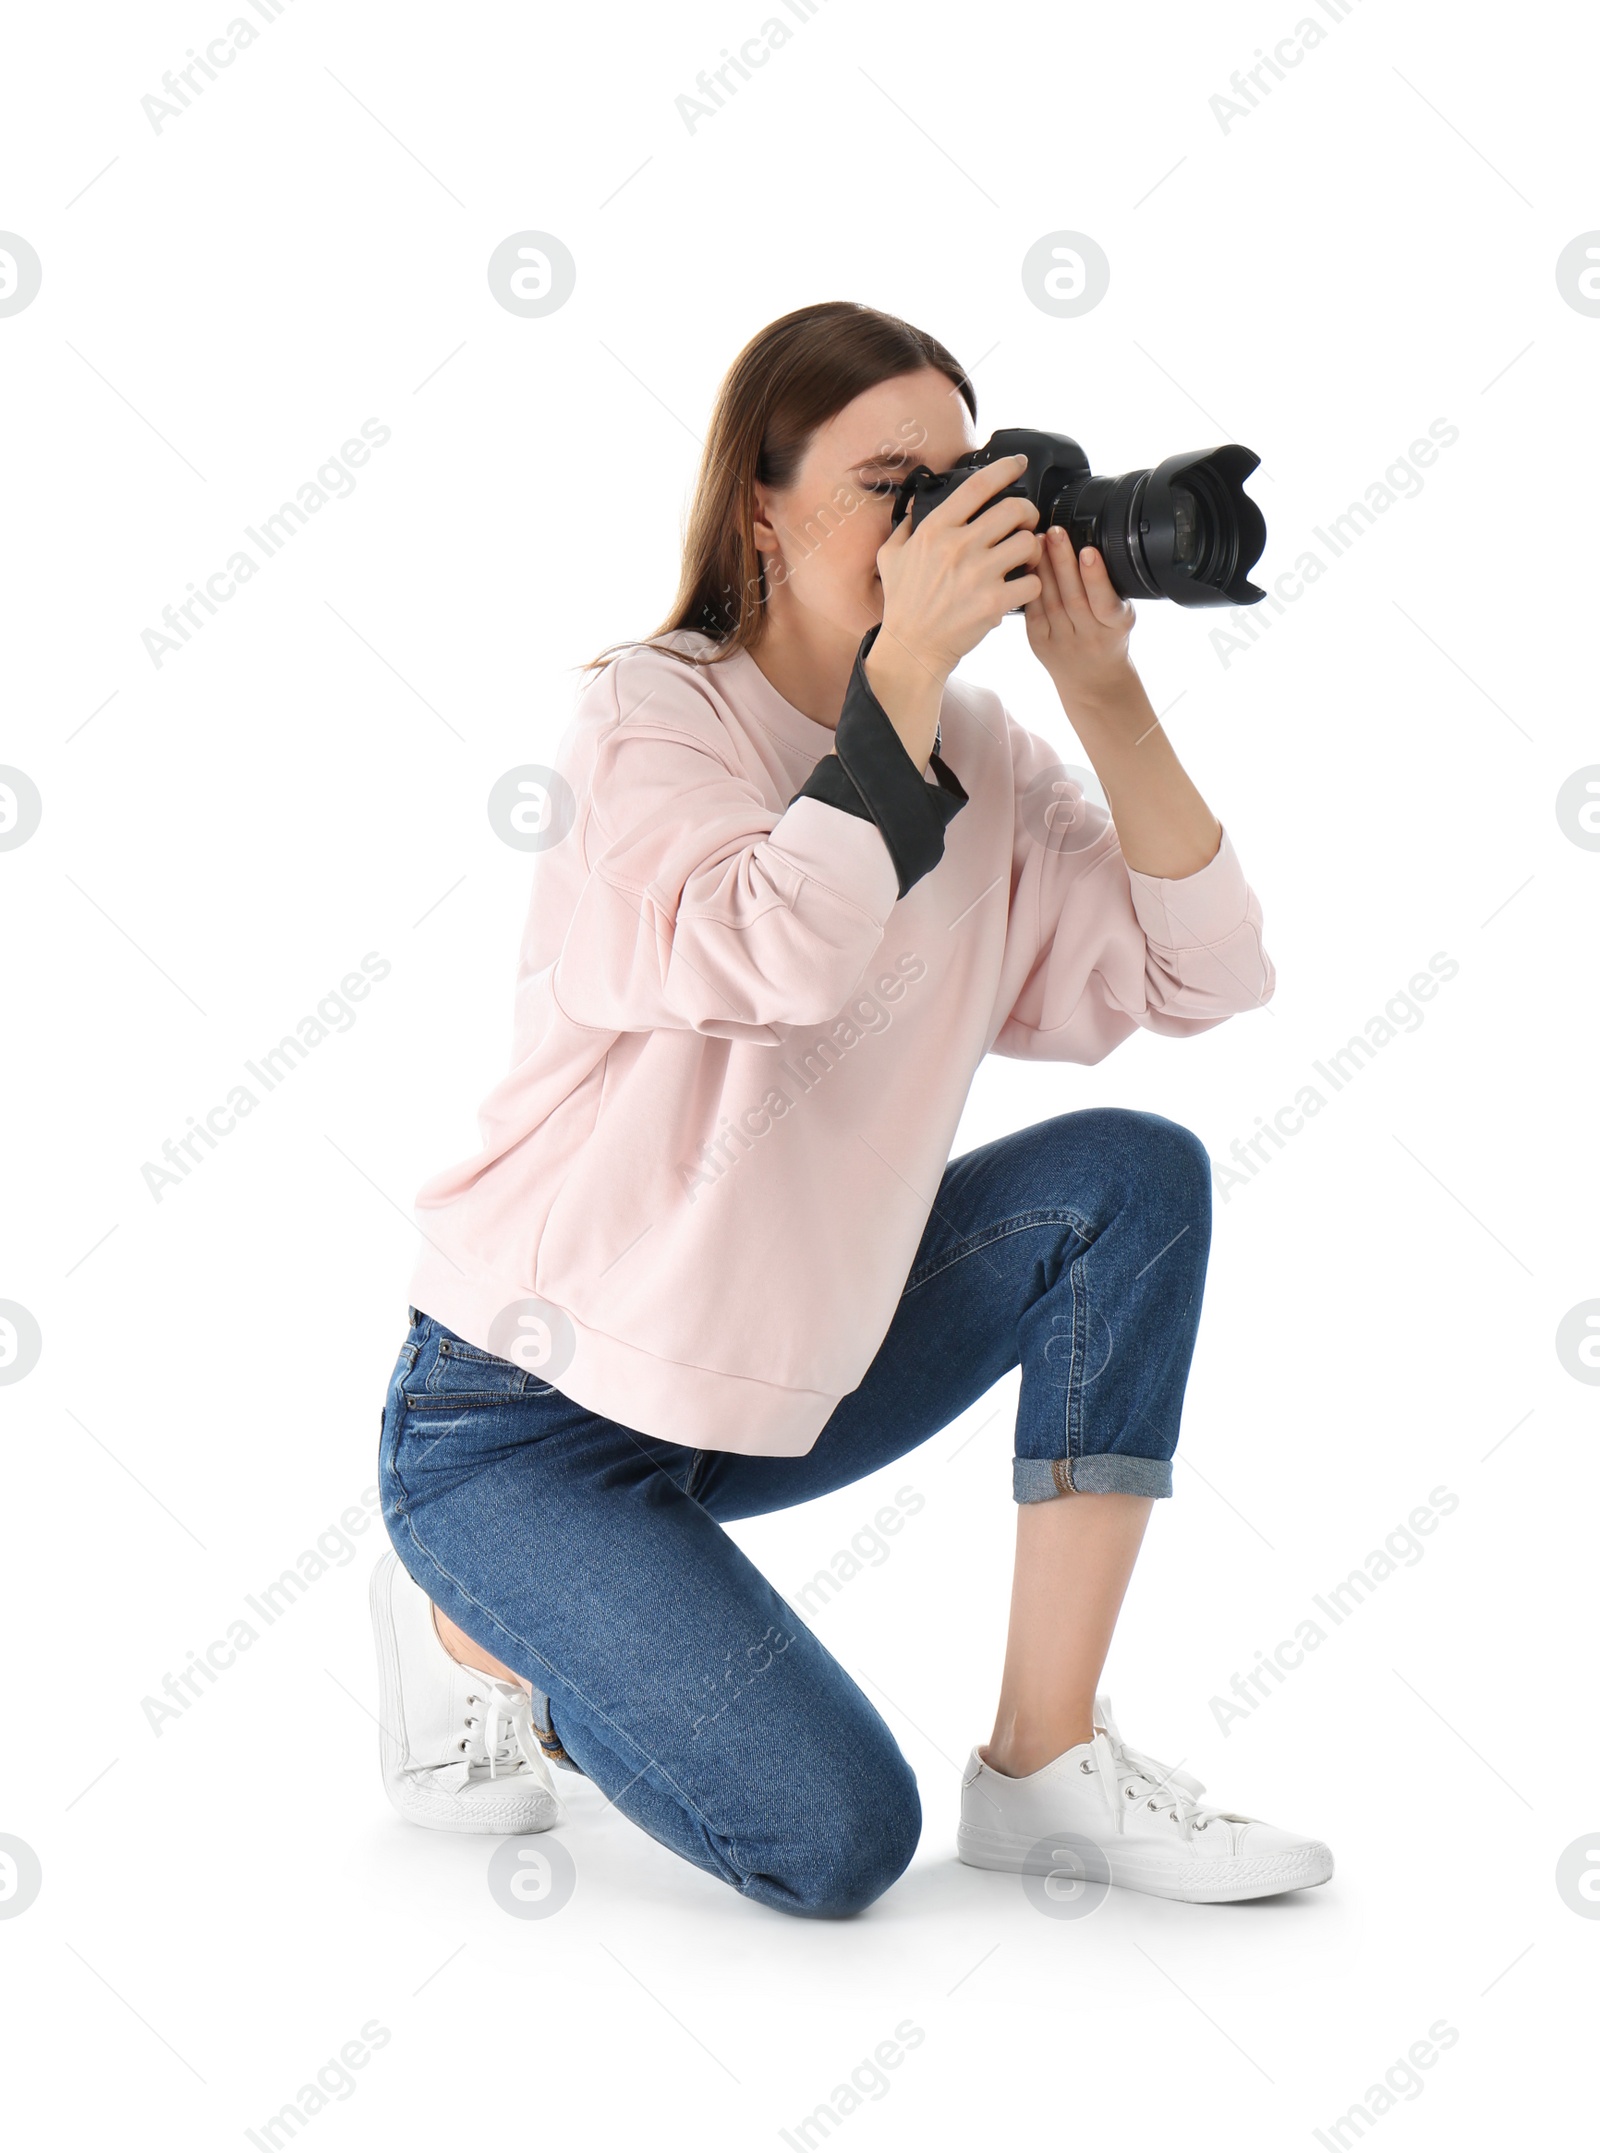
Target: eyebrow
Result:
[891, 462]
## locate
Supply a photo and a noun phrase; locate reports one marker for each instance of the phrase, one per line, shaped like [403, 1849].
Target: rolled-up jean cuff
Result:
[1040, 1480]
[545, 1734]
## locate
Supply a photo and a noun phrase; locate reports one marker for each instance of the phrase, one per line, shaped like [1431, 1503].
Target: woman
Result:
[714, 1257]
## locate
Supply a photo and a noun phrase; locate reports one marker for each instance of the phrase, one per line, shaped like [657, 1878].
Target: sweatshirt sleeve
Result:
[870, 774]
[1096, 949]
[700, 907]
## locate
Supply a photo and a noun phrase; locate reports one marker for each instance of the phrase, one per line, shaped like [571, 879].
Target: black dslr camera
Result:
[1186, 530]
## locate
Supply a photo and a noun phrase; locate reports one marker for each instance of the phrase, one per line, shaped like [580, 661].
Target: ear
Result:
[767, 539]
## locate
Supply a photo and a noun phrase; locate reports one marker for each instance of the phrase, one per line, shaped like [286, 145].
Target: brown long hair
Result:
[791, 378]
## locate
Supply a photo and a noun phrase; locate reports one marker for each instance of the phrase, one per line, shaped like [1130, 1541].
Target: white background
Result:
[1373, 247]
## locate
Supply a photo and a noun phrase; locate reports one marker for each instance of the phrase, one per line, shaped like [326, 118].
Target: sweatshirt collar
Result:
[751, 688]
[746, 684]
[757, 693]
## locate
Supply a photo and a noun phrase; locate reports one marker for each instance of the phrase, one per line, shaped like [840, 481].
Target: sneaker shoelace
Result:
[1127, 1775]
[498, 1737]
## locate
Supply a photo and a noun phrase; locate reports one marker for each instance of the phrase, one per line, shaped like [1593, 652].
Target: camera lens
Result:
[1185, 526]
[1186, 530]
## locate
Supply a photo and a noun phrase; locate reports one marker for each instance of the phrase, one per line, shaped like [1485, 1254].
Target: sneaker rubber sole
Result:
[1205, 1882]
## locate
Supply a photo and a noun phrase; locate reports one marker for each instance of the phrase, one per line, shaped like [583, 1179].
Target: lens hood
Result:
[1228, 529]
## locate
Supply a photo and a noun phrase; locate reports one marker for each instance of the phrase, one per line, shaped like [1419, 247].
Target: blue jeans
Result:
[591, 1558]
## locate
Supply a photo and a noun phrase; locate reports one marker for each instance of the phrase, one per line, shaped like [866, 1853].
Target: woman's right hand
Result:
[944, 583]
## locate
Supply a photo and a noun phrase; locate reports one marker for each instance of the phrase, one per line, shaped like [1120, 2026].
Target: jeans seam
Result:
[699, 1465]
[389, 1446]
[1080, 1340]
[1001, 1229]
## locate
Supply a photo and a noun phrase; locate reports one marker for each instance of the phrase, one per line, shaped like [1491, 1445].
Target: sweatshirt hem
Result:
[671, 1401]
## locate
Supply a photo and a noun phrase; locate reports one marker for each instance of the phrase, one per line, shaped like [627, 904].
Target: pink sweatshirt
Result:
[740, 1057]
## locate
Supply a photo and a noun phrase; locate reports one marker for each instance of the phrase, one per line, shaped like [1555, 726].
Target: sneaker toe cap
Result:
[1260, 1841]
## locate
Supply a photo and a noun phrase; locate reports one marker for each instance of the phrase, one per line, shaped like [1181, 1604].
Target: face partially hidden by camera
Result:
[819, 536]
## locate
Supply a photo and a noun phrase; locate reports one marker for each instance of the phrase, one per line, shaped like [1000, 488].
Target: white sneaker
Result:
[1142, 1819]
[458, 1747]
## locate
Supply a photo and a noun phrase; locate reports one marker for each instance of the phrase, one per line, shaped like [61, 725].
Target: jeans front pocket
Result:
[449, 1374]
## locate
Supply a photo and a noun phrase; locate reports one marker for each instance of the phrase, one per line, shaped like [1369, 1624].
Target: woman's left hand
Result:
[1078, 627]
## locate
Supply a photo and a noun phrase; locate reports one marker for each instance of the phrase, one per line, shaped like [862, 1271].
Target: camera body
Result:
[1184, 530]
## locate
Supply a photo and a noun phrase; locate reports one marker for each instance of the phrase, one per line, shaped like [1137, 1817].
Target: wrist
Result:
[910, 690]
[1111, 705]
[904, 666]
